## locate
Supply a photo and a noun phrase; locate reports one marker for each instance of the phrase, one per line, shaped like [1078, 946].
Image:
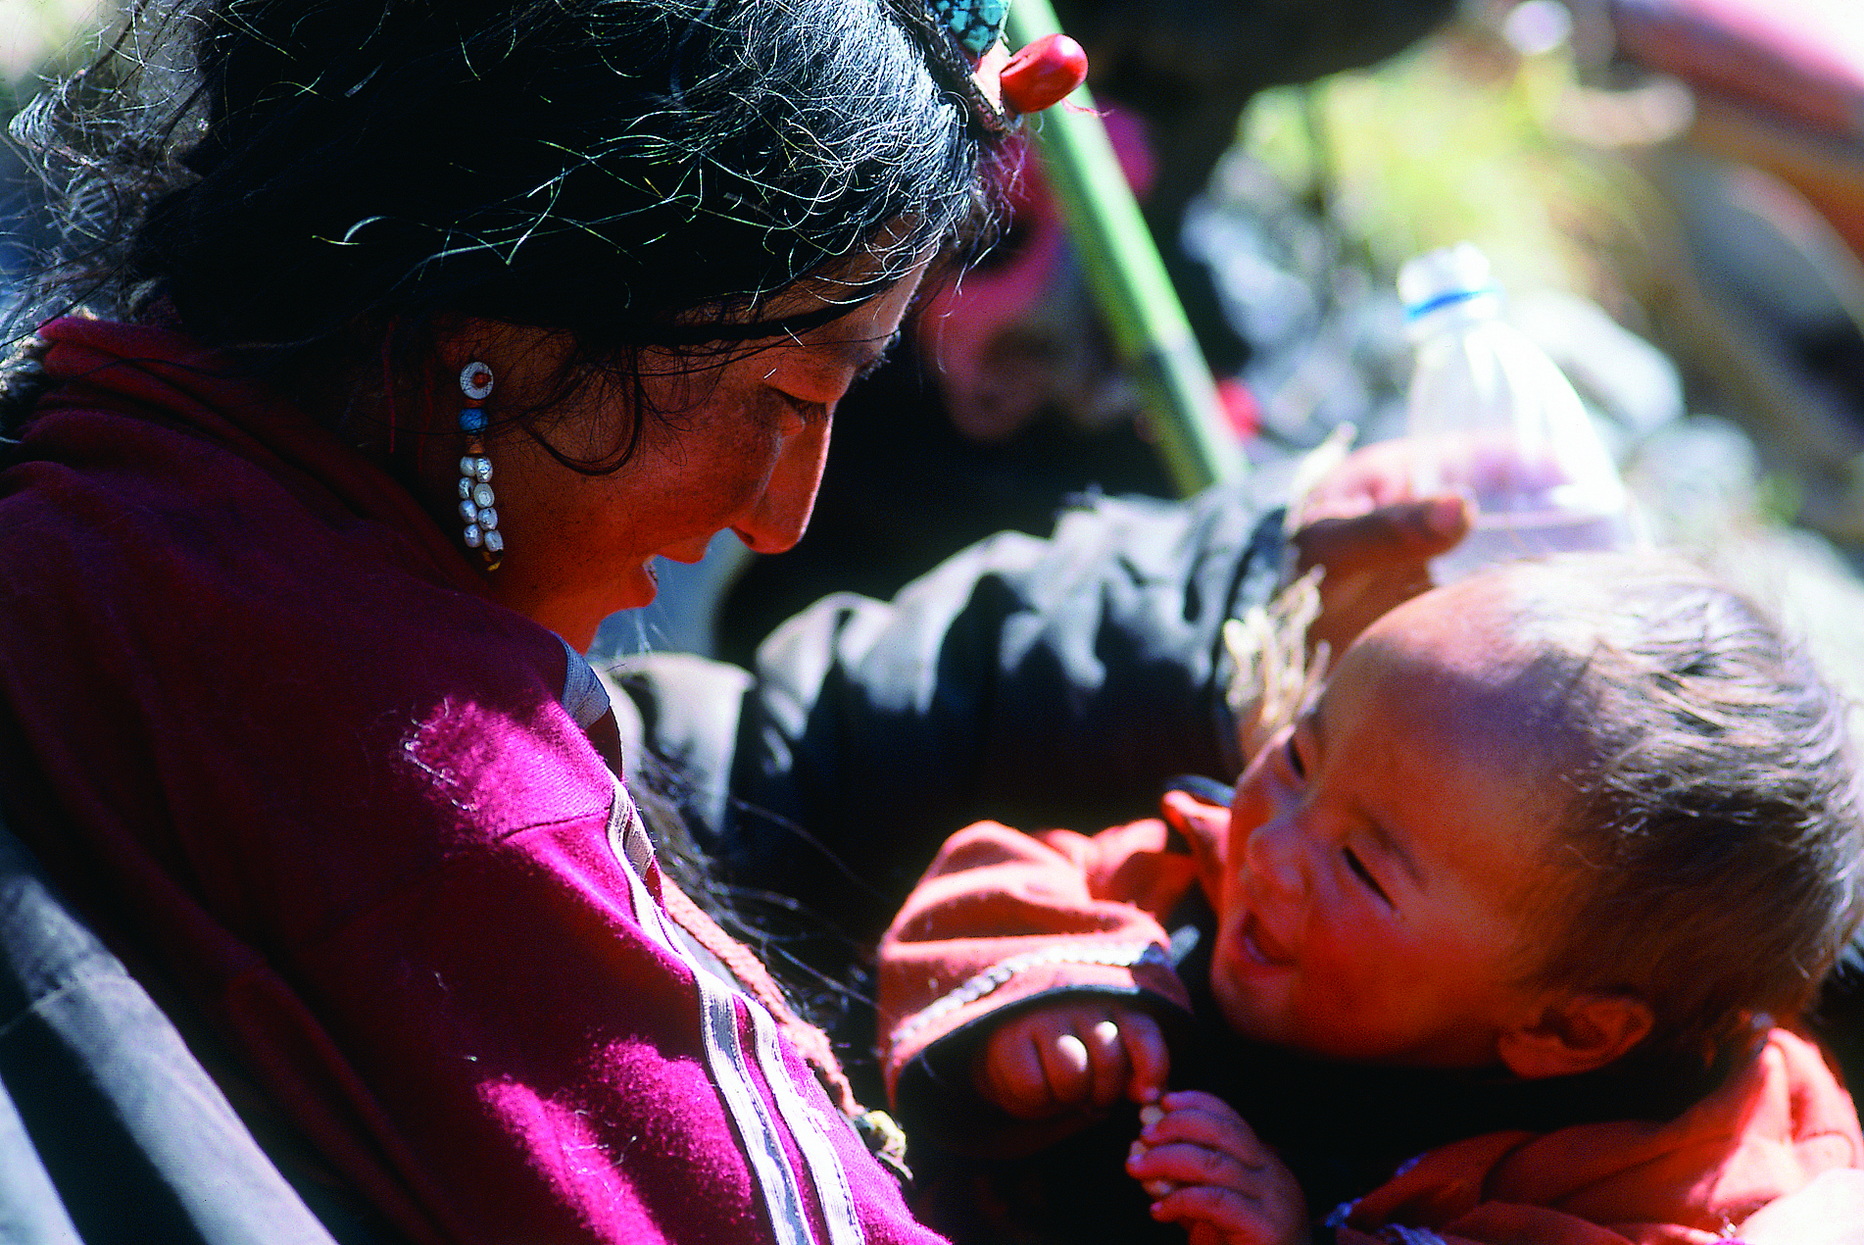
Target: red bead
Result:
[1044, 73]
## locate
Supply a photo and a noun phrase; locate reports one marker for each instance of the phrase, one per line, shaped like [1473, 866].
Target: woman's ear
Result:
[1575, 1033]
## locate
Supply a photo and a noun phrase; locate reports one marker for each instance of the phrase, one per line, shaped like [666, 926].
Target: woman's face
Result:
[737, 444]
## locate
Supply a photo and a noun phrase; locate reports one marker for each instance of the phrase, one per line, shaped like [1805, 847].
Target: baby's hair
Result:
[1714, 814]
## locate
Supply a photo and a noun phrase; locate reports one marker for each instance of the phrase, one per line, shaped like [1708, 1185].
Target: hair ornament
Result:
[478, 504]
[963, 43]
[1043, 74]
[975, 24]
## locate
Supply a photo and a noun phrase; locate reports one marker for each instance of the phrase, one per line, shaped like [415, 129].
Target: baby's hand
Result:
[1072, 1056]
[1208, 1171]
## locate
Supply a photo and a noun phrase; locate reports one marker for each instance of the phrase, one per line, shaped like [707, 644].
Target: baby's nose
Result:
[1274, 856]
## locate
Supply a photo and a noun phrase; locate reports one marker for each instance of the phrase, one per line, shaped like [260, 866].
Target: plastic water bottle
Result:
[1494, 419]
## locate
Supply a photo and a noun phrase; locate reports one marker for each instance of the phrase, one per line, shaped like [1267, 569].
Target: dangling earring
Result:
[477, 503]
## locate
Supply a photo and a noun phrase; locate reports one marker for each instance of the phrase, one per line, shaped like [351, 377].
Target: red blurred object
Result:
[1779, 85]
[1009, 337]
[1240, 407]
[1800, 59]
[1044, 73]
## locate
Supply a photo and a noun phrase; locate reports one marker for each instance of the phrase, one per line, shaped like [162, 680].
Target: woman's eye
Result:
[809, 412]
[1364, 874]
[782, 406]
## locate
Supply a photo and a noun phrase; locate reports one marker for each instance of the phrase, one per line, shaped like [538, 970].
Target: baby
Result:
[1545, 856]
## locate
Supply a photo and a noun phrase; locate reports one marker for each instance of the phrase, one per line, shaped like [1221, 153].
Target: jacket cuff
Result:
[1031, 972]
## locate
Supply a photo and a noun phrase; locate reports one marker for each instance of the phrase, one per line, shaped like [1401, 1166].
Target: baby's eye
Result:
[1294, 758]
[1364, 874]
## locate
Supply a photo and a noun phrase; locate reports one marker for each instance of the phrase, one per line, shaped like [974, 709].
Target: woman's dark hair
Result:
[288, 174]
[1714, 825]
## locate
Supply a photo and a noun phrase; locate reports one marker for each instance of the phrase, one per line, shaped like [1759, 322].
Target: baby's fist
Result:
[1072, 1056]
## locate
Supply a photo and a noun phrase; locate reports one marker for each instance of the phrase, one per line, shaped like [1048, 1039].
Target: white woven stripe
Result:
[634, 851]
[805, 1122]
[994, 978]
[749, 1115]
[725, 1060]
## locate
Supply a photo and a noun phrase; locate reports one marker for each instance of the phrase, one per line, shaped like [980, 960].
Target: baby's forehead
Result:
[1465, 662]
[1473, 632]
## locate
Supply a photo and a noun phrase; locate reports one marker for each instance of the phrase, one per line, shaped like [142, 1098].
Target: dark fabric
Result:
[1042, 682]
[1050, 682]
[110, 1131]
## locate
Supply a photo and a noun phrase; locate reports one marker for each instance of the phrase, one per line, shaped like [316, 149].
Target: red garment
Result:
[265, 724]
[1002, 916]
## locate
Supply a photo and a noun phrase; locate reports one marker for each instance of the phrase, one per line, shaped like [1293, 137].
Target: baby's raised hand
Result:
[1076, 1055]
[1207, 1170]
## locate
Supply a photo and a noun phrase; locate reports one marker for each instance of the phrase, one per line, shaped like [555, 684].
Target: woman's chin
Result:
[577, 620]
[642, 587]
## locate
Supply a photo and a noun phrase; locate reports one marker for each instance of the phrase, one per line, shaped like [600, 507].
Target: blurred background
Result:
[1671, 191]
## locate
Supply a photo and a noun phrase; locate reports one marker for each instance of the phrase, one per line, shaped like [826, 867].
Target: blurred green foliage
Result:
[1456, 140]
[41, 35]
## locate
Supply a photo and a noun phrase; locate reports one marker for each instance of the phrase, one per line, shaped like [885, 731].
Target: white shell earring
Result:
[478, 504]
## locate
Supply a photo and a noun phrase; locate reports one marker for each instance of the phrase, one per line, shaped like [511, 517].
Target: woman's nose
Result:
[780, 516]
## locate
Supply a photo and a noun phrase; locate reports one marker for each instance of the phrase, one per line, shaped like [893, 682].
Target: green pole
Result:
[1127, 278]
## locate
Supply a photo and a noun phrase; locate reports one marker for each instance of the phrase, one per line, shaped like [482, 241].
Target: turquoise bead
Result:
[976, 24]
[473, 420]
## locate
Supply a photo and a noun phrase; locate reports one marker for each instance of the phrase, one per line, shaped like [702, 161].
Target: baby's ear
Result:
[1575, 1033]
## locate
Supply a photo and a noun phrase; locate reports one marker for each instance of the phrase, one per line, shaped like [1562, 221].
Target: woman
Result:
[310, 740]
[427, 328]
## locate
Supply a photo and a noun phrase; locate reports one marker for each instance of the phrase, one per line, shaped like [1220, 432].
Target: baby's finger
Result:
[1013, 1076]
[1184, 1099]
[1243, 1220]
[1146, 1056]
[1111, 1071]
[1180, 1163]
[1067, 1067]
[1203, 1130]
[1200, 1119]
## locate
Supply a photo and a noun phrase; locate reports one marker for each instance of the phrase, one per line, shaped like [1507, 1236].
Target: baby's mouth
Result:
[1259, 946]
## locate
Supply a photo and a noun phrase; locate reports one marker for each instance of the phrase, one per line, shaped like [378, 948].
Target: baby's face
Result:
[1385, 863]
